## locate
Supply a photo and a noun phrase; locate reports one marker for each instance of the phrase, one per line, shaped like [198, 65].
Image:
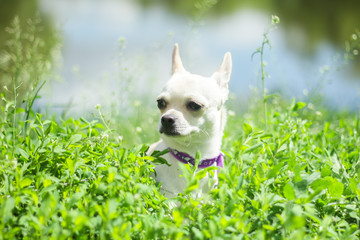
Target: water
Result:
[93, 71]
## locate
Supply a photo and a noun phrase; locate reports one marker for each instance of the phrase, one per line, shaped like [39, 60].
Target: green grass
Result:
[298, 178]
[74, 178]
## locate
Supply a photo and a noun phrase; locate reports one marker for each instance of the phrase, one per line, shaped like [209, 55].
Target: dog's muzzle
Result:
[168, 125]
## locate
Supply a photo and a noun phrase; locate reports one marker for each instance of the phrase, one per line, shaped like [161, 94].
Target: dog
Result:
[192, 120]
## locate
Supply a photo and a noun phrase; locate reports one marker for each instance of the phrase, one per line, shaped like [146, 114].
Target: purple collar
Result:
[186, 158]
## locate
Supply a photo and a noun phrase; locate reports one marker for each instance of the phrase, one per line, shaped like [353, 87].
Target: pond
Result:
[115, 49]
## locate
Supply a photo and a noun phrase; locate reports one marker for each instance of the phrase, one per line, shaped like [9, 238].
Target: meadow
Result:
[292, 170]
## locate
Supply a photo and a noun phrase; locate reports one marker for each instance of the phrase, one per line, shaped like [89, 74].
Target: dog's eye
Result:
[193, 106]
[161, 103]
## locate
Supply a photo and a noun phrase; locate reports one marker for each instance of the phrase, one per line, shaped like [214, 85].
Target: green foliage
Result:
[75, 179]
[68, 180]
[300, 179]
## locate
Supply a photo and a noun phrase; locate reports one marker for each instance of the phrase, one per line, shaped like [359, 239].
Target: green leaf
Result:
[75, 199]
[80, 222]
[71, 165]
[47, 182]
[297, 172]
[58, 149]
[247, 128]
[47, 131]
[20, 110]
[197, 158]
[260, 171]
[198, 234]
[160, 153]
[47, 122]
[284, 140]
[336, 189]
[160, 160]
[325, 171]
[21, 152]
[75, 138]
[178, 219]
[253, 148]
[100, 126]
[298, 106]
[289, 192]
[270, 96]
[38, 132]
[201, 174]
[25, 182]
[269, 227]
[129, 199]
[6, 210]
[353, 185]
[321, 183]
[194, 185]
[274, 171]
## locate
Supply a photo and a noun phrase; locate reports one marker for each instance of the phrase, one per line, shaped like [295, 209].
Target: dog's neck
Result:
[207, 149]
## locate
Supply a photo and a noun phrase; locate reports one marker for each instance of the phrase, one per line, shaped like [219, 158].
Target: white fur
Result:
[196, 130]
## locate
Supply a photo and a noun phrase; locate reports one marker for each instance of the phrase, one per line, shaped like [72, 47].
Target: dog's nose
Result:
[168, 121]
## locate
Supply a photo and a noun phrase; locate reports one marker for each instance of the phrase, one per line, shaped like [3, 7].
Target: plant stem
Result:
[98, 107]
[14, 119]
[263, 75]
[274, 20]
[18, 49]
[29, 107]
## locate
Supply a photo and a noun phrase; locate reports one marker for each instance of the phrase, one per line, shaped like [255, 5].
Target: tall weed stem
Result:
[274, 21]
[29, 106]
[263, 76]
[98, 108]
[17, 60]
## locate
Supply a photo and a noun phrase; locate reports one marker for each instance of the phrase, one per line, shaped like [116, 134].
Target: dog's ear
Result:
[222, 75]
[177, 65]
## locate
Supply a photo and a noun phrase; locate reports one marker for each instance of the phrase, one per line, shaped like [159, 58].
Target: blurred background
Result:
[119, 51]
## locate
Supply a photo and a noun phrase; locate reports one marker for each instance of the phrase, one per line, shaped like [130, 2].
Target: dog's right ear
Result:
[177, 65]
[222, 75]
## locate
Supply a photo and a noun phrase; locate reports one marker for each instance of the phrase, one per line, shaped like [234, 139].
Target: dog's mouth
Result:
[177, 131]
[169, 132]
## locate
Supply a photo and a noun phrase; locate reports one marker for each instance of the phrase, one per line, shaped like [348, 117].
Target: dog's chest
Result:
[171, 178]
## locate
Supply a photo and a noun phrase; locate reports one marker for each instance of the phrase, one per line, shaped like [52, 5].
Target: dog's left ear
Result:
[222, 75]
[177, 66]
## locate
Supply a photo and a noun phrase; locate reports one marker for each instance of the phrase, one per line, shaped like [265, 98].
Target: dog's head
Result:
[191, 105]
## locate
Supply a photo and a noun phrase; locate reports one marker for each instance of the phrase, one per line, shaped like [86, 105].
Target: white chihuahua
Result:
[192, 119]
